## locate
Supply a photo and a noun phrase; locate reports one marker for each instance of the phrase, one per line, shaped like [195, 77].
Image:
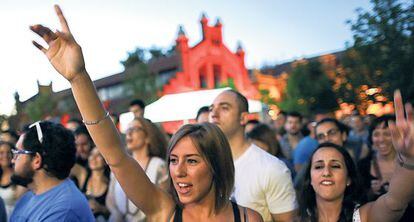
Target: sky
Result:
[270, 31]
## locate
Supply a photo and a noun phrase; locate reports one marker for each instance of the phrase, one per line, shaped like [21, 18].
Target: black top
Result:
[364, 167]
[100, 199]
[178, 217]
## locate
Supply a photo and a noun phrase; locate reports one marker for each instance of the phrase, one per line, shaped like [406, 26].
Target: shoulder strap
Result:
[236, 212]
[178, 215]
[356, 217]
[246, 219]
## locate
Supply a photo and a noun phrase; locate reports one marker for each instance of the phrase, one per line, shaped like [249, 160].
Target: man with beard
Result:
[43, 158]
[293, 135]
[262, 181]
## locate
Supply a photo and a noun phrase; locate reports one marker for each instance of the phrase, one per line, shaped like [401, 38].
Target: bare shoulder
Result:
[253, 216]
[365, 210]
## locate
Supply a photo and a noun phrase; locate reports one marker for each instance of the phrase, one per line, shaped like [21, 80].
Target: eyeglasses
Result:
[16, 152]
[133, 129]
[38, 130]
[324, 136]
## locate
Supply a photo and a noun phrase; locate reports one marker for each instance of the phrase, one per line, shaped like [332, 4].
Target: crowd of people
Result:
[225, 167]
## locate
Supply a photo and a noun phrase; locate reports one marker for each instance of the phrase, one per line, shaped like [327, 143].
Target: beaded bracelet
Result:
[96, 121]
[402, 164]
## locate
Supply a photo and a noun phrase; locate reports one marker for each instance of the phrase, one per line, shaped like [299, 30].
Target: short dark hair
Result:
[307, 197]
[213, 146]
[376, 123]
[342, 127]
[294, 114]
[137, 102]
[82, 130]
[253, 121]
[241, 101]
[204, 109]
[57, 149]
[265, 134]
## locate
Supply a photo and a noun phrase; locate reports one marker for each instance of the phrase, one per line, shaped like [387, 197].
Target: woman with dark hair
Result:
[376, 170]
[341, 162]
[330, 186]
[8, 191]
[96, 185]
[200, 162]
[147, 145]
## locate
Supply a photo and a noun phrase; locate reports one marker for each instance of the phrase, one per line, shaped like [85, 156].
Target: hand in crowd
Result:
[63, 52]
[402, 131]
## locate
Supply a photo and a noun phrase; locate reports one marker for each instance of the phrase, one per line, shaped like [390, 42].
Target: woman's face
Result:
[191, 176]
[381, 140]
[5, 155]
[135, 136]
[329, 176]
[95, 160]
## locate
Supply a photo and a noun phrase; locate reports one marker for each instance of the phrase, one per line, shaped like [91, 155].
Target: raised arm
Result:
[391, 206]
[66, 57]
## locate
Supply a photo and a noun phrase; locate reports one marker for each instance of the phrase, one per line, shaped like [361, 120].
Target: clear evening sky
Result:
[271, 32]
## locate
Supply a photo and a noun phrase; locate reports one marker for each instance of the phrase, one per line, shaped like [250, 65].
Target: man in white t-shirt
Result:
[262, 181]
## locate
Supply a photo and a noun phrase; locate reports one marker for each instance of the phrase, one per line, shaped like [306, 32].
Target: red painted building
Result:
[209, 63]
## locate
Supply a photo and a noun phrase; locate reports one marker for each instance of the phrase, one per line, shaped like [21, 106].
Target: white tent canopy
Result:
[184, 106]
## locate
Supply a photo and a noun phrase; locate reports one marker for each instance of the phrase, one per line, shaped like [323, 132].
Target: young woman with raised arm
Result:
[330, 189]
[199, 155]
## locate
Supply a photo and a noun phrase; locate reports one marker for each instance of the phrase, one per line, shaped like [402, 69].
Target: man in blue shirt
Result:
[43, 158]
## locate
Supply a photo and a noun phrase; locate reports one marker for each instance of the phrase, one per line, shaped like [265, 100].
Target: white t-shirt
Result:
[263, 183]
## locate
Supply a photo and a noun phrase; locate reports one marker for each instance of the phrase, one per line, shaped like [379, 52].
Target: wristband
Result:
[96, 121]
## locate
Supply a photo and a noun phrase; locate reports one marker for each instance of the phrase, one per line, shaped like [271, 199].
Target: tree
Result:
[140, 82]
[39, 107]
[134, 57]
[309, 90]
[383, 51]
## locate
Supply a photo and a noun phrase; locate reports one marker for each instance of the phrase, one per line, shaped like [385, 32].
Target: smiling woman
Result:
[330, 176]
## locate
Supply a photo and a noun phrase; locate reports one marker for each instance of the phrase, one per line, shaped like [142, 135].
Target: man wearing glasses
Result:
[43, 158]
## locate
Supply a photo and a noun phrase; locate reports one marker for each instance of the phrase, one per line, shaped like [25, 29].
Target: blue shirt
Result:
[304, 150]
[61, 203]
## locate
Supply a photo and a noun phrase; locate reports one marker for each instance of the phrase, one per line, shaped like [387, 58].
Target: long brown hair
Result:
[157, 139]
[213, 146]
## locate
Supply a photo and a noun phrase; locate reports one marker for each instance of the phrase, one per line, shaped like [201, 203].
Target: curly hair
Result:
[57, 149]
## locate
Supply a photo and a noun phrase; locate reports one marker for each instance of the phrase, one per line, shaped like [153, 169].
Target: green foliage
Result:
[140, 82]
[39, 107]
[309, 90]
[230, 83]
[383, 51]
[265, 98]
[134, 57]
